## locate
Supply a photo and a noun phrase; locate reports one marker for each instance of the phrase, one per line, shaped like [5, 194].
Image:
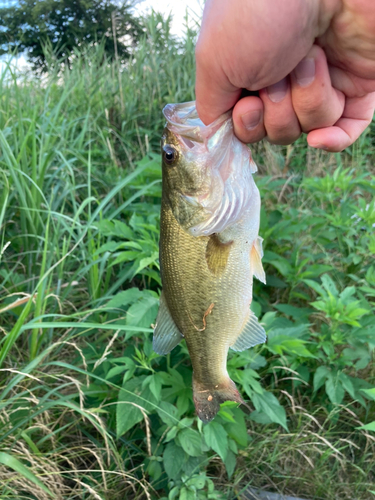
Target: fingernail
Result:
[251, 119]
[305, 72]
[277, 91]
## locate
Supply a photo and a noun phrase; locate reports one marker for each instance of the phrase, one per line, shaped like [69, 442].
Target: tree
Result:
[65, 25]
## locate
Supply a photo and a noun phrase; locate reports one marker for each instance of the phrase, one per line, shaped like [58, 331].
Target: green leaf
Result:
[198, 481]
[370, 393]
[217, 438]
[115, 228]
[168, 413]
[155, 385]
[131, 399]
[368, 427]
[238, 430]
[260, 417]
[143, 312]
[269, 404]
[16, 465]
[298, 313]
[187, 494]
[320, 376]
[334, 389]
[315, 286]
[173, 459]
[124, 298]
[230, 463]
[154, 469]
[191, 442]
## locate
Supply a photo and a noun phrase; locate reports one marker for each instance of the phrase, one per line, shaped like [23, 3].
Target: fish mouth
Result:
[183, 120]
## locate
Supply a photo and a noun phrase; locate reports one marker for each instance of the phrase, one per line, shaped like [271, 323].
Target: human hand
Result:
[312, 61]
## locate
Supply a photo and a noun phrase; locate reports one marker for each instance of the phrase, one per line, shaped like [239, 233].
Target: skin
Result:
[207, 280]
[311, 61]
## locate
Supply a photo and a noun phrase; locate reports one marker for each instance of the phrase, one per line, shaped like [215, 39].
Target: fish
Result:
[210, 250]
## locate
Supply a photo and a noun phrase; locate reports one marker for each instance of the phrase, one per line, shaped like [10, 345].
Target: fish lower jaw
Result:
[208, 397]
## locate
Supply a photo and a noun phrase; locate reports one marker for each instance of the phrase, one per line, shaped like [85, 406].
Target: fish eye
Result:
[170, 154]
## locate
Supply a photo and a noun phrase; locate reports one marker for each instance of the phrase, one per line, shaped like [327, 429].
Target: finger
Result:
[356, 118]
[214, 93]
[316, 103]
[280, 120]
[248, 119]
[351, 85]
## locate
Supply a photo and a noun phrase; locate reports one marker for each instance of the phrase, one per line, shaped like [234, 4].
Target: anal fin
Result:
[166, 333]
[256, 254]
[252, 334]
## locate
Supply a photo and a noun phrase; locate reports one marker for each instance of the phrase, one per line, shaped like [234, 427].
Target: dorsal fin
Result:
[166, 333]
[256, 254]
[217, 254]
[252, 334]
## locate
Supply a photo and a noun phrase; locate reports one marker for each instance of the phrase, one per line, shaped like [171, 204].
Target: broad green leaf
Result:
[187, 494]
[230, 463]
[154, 469]
[348, 385]
[320, 376]
[192, 465]
[269, 404]
[115, 228]
[315, 286]
[173, 459]
[217, 438]
[143, 312]
[370, 393]
[191, 442]
[168, 413]
[334, 389]
[295, 312]
[155, 385]
[329, 284]
[260, 417]
[116, 370]
[238, 430]
[368, 427]
[131, 401]
[13, 463]
[198, 481]
[124, 298]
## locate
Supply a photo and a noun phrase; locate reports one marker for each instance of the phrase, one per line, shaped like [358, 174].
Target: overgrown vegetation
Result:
[87, 409]
[60, 26]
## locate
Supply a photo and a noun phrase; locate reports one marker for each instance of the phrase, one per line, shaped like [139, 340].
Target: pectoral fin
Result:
[166, 333]
[256, 255]
[217, 254]
[252, 334]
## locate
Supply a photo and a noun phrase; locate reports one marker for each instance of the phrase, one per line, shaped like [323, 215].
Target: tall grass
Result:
[79, 276]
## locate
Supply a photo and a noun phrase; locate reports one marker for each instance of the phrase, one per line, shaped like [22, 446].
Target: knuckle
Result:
[311, 104]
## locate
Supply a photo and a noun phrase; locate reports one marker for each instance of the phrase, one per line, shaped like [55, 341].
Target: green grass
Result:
[87, 409]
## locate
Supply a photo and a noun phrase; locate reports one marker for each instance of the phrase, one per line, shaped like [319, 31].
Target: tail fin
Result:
[207, 399]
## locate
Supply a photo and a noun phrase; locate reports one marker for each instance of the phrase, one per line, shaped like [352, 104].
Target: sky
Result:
[177, 8]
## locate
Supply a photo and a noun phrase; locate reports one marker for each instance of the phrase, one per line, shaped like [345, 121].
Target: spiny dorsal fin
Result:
[217, 254]
[256, 254]
[166, 333]
[252, 334]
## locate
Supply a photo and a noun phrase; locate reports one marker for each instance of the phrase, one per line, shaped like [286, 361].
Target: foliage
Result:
[63, 26]
[87, 408]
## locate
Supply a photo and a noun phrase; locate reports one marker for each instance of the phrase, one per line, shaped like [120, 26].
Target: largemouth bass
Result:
[209, 250]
